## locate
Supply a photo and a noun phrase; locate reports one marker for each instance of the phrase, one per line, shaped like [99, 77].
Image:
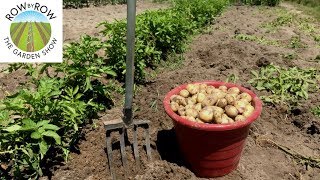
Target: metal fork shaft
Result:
[129, 85]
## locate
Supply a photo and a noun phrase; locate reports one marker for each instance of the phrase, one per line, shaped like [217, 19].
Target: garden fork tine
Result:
[121, 125]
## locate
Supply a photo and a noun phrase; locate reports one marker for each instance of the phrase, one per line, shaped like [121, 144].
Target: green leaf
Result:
[43, 122]
[71, 109]
[28, 124]
[46, 108]
[36, 135]
[41, 130]
[78, 96]
[88, 84]
[13, 128]
[43, 148]
[54, 135]
[75, 91]
[25, 152]
[51, 127]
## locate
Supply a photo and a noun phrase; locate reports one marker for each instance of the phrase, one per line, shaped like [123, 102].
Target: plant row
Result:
[87, 3]
[158, 34]
[258, 2]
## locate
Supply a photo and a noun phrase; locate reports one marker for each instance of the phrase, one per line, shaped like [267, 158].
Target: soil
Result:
[77, 22]
[213, 55]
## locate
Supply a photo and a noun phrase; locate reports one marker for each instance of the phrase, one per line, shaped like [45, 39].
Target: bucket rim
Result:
[213, 127]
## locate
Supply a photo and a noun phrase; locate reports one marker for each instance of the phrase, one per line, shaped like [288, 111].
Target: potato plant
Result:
[287, 86]
[262, 2]
[203, 103]
[158, 34]
[316, 111]
[87, 3]
[259, 40]
[48, 115]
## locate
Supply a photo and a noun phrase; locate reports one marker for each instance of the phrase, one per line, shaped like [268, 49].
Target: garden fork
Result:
[121, 125]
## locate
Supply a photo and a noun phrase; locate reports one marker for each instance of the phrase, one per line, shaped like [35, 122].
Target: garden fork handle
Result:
[129, 83]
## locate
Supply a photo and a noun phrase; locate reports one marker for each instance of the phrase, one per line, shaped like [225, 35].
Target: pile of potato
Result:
[206, 104]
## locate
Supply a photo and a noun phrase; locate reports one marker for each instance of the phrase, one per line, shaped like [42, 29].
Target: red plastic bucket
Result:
[212, 150]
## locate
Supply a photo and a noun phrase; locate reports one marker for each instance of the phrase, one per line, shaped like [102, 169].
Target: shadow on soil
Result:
[168, 147]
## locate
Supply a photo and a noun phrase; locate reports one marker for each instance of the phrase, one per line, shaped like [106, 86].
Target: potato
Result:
[240, 118]
[219, 95]
[223, 88]
[180, 100]
[231, 111]
[222, 103]
[216, 91]
[184, 93]
[209, 101]
[206, 115]
[231, 99]
[247, 113]
[203, 103]
[183, 102]
[224, 119]
[194, 97]
[249, 107]
[231, 120]
[233, 90]
[190, 118]
[217, 109]
[201, 97]
[181, 111]
[173, 97]
[198, 107]
[191, 101]
[189, 106]
[192, 88]
[218, 119]
[210, 89]
[246, 97]
[174, 106]
[203, 86]
[240, 105]
[199, 120]
[191, 112]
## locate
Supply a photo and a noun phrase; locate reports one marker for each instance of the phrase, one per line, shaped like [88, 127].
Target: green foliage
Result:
[158, 34]
[295, 42]
[312, 3]
[317, 39]
[284, 18]
[86, 3]
[305, 24]
[258, 2]
[50, 113]
[286, 85]
[260, 40]
[316, 111]
[290, 56]
[310, 7]
[233, 78]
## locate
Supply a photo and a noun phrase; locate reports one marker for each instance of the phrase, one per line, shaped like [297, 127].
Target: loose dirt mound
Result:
[214, 56]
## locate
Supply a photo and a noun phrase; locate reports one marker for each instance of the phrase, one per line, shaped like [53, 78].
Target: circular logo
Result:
[30, 31]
